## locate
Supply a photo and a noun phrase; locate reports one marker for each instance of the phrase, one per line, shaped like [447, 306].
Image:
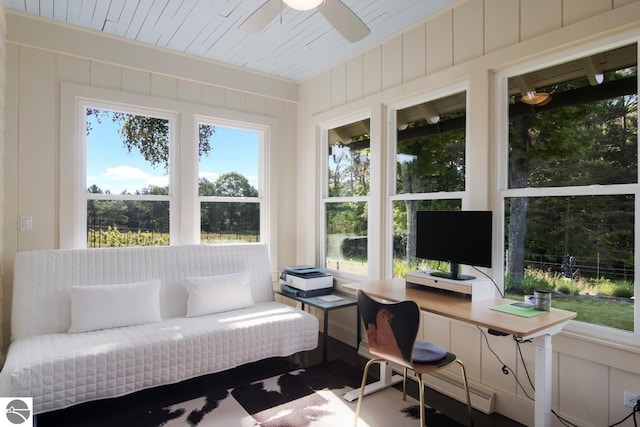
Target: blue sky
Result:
[111, 167]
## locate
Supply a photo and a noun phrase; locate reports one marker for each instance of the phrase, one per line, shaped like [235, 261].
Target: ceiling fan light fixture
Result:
[302, 4]
[536, 98]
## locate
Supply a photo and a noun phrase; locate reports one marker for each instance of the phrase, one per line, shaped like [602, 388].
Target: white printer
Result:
[306, 281]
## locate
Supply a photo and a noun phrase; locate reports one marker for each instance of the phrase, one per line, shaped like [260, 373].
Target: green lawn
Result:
[612, 312]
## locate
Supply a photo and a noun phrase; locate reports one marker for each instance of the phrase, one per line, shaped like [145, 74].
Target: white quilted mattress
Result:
[59, 370]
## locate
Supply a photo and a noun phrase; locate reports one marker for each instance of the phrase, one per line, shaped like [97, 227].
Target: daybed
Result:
[90, 324]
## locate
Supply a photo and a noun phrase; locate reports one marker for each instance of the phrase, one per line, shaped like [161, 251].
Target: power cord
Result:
[490, 278]
[634, 411]
[505, 368]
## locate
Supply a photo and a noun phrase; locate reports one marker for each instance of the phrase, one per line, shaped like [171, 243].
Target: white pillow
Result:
[111, 306]
[215, 294]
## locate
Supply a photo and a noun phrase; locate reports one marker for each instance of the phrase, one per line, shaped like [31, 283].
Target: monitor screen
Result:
[457, 237]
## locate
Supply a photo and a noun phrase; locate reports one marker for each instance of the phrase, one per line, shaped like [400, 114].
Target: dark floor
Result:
[86, 414]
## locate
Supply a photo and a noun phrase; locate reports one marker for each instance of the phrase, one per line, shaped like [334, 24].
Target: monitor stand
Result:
[451, 276]
[477, 289]
[453, 273]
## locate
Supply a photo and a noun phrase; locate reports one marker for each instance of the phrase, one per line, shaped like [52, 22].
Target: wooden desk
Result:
[539, 328]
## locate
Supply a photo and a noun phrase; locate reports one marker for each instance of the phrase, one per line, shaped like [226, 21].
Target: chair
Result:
[391, 330]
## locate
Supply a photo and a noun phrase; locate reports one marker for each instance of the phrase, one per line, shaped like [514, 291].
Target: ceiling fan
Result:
[343, 19]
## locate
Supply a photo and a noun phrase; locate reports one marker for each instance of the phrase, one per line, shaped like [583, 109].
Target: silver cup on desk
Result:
[542, 300]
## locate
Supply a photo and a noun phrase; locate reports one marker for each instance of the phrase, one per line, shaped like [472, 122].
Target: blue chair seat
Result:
[427, 352]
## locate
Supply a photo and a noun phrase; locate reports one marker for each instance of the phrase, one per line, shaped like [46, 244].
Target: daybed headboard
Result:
[43, 279]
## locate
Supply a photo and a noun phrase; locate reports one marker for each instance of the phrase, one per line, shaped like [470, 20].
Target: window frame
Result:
[323, 190]
[598, 333]
[183, 194]
[391, 166]
[263, 138]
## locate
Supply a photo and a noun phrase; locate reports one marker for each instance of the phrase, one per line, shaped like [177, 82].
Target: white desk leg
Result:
[386, 379]
[542, 415]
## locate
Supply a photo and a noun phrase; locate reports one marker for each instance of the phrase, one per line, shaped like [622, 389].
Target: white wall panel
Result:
[436, 329]
[338, 85]
[468, 31]
[37, 130]
[106, 75]
[324, 91]
[372, 77]
[619, 382]
[213, 96]
[577, 10]
[256, 104]
[355, 88]
[164, 86]
[440, 42]
[501, 24]
[190, 92]
[492, 374]
[466, 343]
[234, 100]
[136, 81]
[391, 62]
[414, 53]
[539, 17]
[73, 69]
[620, 3]
[576, 376]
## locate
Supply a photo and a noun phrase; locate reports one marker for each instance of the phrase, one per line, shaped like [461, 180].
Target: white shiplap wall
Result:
[466, 44]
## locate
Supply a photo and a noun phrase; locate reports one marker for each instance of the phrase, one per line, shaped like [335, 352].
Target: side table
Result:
[321, 303]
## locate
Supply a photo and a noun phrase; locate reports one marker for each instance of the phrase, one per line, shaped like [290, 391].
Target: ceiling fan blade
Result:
[344, 20]
[259, 19]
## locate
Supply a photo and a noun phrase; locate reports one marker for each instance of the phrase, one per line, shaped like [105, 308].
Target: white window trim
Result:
[391, 165]
[185, 220]
[371, 199]
[591, 332]
[263, 177]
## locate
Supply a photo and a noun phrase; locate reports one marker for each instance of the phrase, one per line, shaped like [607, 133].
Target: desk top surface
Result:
[459, 308]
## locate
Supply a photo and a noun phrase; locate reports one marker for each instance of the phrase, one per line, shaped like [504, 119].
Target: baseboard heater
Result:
[482, 398]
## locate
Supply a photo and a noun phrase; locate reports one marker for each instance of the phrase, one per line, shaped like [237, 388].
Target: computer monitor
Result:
[456, 237]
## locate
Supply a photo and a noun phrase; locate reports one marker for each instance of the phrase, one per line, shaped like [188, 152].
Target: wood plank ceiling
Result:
[294, 46]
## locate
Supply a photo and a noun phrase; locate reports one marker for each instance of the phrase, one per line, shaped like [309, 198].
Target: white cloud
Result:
[126, 173]
[211, 176]
[159, 181]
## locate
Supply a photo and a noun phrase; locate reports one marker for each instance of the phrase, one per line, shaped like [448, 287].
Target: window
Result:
[127, 177]
[138, 170]
[229, 185]
[571, 186]
[429, 165]
[346, 200]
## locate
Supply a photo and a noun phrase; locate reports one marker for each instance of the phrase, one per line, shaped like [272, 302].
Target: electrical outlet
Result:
[630, 399]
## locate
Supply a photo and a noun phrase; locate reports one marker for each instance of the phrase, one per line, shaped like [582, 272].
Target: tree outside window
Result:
[430, 172]
[575, 236]
[346, 203]
[229, 182]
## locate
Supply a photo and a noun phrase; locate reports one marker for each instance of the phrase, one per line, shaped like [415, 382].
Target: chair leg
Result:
[404, 384]
[365, 375]
[421, 393]
[466, 390]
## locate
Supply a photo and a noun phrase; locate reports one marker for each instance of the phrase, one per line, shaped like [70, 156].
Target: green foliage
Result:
[149, 135]
[229, 217]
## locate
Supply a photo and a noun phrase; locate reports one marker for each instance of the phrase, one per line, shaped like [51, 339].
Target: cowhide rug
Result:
[311, 397]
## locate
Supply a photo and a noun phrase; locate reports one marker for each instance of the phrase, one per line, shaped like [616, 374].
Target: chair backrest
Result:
[391, 327]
